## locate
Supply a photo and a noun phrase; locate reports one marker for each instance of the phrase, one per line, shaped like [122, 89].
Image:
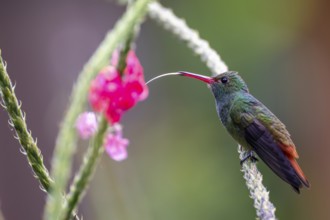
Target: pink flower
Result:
[86, 124]
[115, 144]
[104, 86]
[114, 94]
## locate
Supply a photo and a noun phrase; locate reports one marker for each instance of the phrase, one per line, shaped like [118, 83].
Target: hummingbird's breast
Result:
[223, 106]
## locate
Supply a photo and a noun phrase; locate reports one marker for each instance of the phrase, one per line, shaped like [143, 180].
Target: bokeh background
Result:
[182, 164]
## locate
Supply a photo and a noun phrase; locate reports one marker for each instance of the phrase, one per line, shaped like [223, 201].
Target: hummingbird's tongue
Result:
[205, 79]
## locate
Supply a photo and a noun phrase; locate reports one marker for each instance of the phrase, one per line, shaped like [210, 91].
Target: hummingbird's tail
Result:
[278, 157]
[299, 171]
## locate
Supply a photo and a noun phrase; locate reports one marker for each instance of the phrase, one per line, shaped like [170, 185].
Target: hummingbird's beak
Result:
[206, 79]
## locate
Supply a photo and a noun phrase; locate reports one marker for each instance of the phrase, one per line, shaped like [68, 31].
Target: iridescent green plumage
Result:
[254, 126]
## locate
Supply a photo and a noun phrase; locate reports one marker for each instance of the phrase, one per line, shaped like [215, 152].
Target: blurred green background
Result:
[182, 164]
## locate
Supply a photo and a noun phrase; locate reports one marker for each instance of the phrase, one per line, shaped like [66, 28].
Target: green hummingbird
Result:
[254, 126]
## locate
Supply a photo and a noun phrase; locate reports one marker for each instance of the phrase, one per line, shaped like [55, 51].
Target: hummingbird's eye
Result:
[224, 79]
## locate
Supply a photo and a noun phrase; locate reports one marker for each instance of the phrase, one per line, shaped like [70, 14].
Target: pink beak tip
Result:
[205, 79]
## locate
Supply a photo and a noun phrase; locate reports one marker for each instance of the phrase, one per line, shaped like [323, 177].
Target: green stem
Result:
[127, 45]
[66, 141]
[17, 121]
[83, 177]
[123, 54]
[182, 31]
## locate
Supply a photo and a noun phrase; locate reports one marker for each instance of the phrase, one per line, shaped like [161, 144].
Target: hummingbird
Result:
[253, 126]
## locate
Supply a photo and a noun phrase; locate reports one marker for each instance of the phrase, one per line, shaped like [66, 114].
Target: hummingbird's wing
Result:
[271, 153]
[265, 134]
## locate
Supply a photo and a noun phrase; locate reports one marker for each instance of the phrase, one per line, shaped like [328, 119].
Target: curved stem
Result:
[23, 135]
[182, 31]
[66, 141]
[123, 54]
[264, 207]
[83, 177]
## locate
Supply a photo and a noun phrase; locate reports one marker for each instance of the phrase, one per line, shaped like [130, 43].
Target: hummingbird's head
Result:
[222, 84]
[227, 83]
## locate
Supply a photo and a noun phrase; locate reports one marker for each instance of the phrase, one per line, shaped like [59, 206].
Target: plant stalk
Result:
[17, 120]
[86, 171]
[66, 141]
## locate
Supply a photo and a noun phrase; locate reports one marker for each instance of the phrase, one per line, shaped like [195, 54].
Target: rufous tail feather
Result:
[299, 171]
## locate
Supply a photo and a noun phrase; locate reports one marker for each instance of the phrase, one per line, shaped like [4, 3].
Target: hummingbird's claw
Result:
[250, 156]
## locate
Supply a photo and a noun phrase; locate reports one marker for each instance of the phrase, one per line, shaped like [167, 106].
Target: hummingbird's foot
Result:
[250, 156]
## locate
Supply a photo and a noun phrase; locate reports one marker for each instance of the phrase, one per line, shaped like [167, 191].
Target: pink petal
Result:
[113, 94]
[117, 128]
[144, 94]
[116, 146]
[86, 125]
[113, 115]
